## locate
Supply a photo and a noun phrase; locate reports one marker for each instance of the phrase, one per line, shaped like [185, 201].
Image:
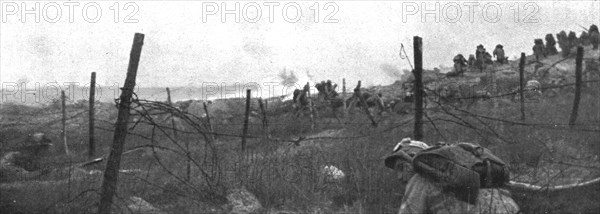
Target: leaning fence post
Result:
[418, 72]
[64, 121]
[109, 183]
[578, 68]
[522, 84]
[92, 145]
[246, 117]
[363, 102]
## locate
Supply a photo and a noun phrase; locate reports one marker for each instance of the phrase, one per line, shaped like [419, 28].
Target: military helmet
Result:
[404, 150]
[538, 41]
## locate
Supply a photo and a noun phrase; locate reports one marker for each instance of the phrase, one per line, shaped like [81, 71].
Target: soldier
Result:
[331, 93]
[573, 39]
[499, 54]
[538, 49]
[460, 64]
[584, 38]
[533, 90]
[480, 50]
[594, 36]
[471, 61]
[593, 28]
[563, 43]
[424, 195]
[300, 97]
[487, 58]
[326, 90]
[550, 45]
[409, 92]
[480, 56]
[322, 89]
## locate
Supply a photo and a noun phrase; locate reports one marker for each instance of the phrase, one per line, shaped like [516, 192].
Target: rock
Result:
[242, 201]
[332, 173]
[139, 205]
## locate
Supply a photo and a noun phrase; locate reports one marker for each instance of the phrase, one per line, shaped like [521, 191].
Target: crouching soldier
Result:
[533, 90]
[460, 66]
[480, 57]
[499, 54]
[435, 183]
[594, 35]
[471, 61]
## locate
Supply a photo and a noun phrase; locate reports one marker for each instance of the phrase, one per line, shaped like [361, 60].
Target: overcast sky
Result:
[180, 49]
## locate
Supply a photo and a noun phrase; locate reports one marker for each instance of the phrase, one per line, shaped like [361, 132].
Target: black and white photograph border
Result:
[311, 106]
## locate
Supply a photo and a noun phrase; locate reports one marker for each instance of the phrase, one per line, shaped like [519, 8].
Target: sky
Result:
[187, 43]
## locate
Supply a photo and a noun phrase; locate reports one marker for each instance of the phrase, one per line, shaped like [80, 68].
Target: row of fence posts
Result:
[311, 106]
[417, 72]
[113, 163]
[91, 142]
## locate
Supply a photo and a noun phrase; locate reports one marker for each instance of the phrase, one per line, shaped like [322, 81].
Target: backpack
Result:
[462, 169]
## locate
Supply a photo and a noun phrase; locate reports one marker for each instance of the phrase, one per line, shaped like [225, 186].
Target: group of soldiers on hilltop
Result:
[566, 42]
[479, 60]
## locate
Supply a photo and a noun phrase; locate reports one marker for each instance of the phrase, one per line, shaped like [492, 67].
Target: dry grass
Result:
[288, 177]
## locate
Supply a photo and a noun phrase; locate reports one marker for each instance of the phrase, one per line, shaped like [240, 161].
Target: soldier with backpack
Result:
[459, 178]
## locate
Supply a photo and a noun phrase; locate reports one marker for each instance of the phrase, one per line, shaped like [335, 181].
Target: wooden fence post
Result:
[498, 125]
[522, 84]
[109, 183]
[64, 120]
[310, 107]
[344, 97]
[172, 117]
[210, 126]
[92, 144]
[578, 68]
[263, 110]
[246, 117]
[418, 73]
[187, 143]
